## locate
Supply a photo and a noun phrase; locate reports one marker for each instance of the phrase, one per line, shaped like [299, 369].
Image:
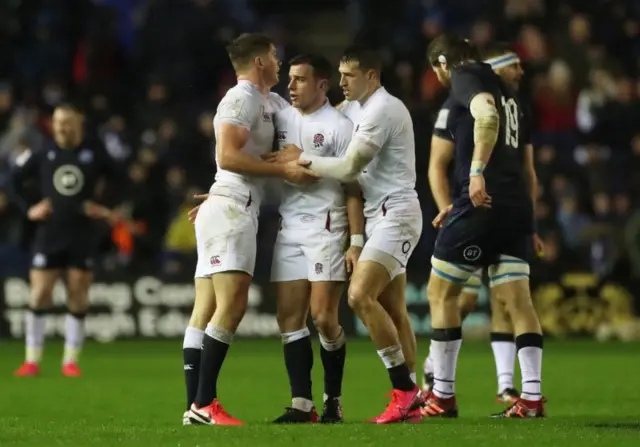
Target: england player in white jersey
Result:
[381, 156]
[309, 261]
[227, 222]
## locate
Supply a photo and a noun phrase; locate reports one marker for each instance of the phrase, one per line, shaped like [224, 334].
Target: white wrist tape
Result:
[357, 240]
[477, 168]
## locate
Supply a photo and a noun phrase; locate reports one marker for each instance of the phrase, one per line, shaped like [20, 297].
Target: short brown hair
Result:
[244, 48]
[450, 49]
[367, 57]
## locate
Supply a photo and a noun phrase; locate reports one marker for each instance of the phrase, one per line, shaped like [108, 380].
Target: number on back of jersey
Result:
[511, 126]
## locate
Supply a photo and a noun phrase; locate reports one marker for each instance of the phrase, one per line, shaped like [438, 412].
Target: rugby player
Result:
[506, 63]
[226, 223]
[490, 224]
[309, 262]
[381, 156]
[67, 171]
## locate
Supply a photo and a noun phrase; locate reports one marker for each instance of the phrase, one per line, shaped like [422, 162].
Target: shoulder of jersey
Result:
[278, 101]
[27, 154]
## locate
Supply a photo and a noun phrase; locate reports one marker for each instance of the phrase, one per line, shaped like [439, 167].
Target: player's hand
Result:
[441, 217]
[40, 211]
[289, 152]
[297, 172]
[352, 256]
[97, 211]
[193, 212]
[478, 192]
[538, 245]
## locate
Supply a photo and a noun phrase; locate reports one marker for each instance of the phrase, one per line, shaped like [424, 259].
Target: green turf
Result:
[132, 395]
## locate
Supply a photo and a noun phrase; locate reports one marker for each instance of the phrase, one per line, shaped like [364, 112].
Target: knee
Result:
[41, 297]
[360, 299]
[290, 321]
[232, 307]
[467, 303]
[199, 319]
[77, 299]
[325, 321]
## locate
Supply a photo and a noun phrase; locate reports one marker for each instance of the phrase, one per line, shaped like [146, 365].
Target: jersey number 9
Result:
[511, 127]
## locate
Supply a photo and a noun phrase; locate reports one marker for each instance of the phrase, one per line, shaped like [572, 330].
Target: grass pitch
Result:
[132, 395]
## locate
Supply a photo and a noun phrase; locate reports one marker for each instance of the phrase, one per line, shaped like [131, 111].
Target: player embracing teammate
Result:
[489, 224]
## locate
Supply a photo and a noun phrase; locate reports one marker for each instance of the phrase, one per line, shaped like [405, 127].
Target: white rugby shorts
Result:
[225, 237]
[313, 254]
[394, 235]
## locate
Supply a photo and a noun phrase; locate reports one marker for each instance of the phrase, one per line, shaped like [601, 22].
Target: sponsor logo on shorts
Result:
[282, 135]
[215, 260]
[318, 140]
[472, 253]
[318, 268]
[39, 260]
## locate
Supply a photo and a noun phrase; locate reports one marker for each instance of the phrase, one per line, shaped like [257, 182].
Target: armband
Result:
[477, 168]
[357, 240]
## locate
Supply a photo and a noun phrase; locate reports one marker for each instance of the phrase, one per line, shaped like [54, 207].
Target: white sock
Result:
[73, 338]
[530, 359]
[302, 404]
[35, 328]
[219, 333]
[504, 353]
[391, 356]
[290, 337]
[333, 345]
[428, 362]
[414, 378]
[445, 360]
[192, 338]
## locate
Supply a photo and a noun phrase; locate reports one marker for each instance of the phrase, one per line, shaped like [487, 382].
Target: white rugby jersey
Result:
[244, 105]
[325, 132]
[389, 180]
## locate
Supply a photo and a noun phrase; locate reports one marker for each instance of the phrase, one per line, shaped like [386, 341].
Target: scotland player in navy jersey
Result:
[506, 63]
[490, 224]
[67, 171]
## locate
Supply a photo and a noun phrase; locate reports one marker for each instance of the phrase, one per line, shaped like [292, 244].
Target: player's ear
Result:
[258, 61]
[323, 84]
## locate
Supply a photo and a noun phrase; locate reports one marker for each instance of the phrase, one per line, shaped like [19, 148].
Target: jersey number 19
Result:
[511, 127]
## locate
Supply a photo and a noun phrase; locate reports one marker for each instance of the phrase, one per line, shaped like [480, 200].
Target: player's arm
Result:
[118, 183]
[355, 212]
[26, 167]
[363, 147]
[467, 88]
[439, 160]
[236, 116]
[530, 174]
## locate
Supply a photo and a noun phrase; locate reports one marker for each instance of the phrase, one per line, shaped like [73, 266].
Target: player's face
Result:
[270, 67]
[512, 75]
[305, 89]
[443, 75]
[353, 80]
[67, 128]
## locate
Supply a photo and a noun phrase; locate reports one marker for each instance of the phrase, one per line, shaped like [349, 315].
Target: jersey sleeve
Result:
[376, 125]
[238, 109]
[343, 134]
[465, 85]
[442, 128]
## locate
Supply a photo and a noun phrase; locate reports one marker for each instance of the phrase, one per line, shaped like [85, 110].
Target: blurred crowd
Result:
[149, 74]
